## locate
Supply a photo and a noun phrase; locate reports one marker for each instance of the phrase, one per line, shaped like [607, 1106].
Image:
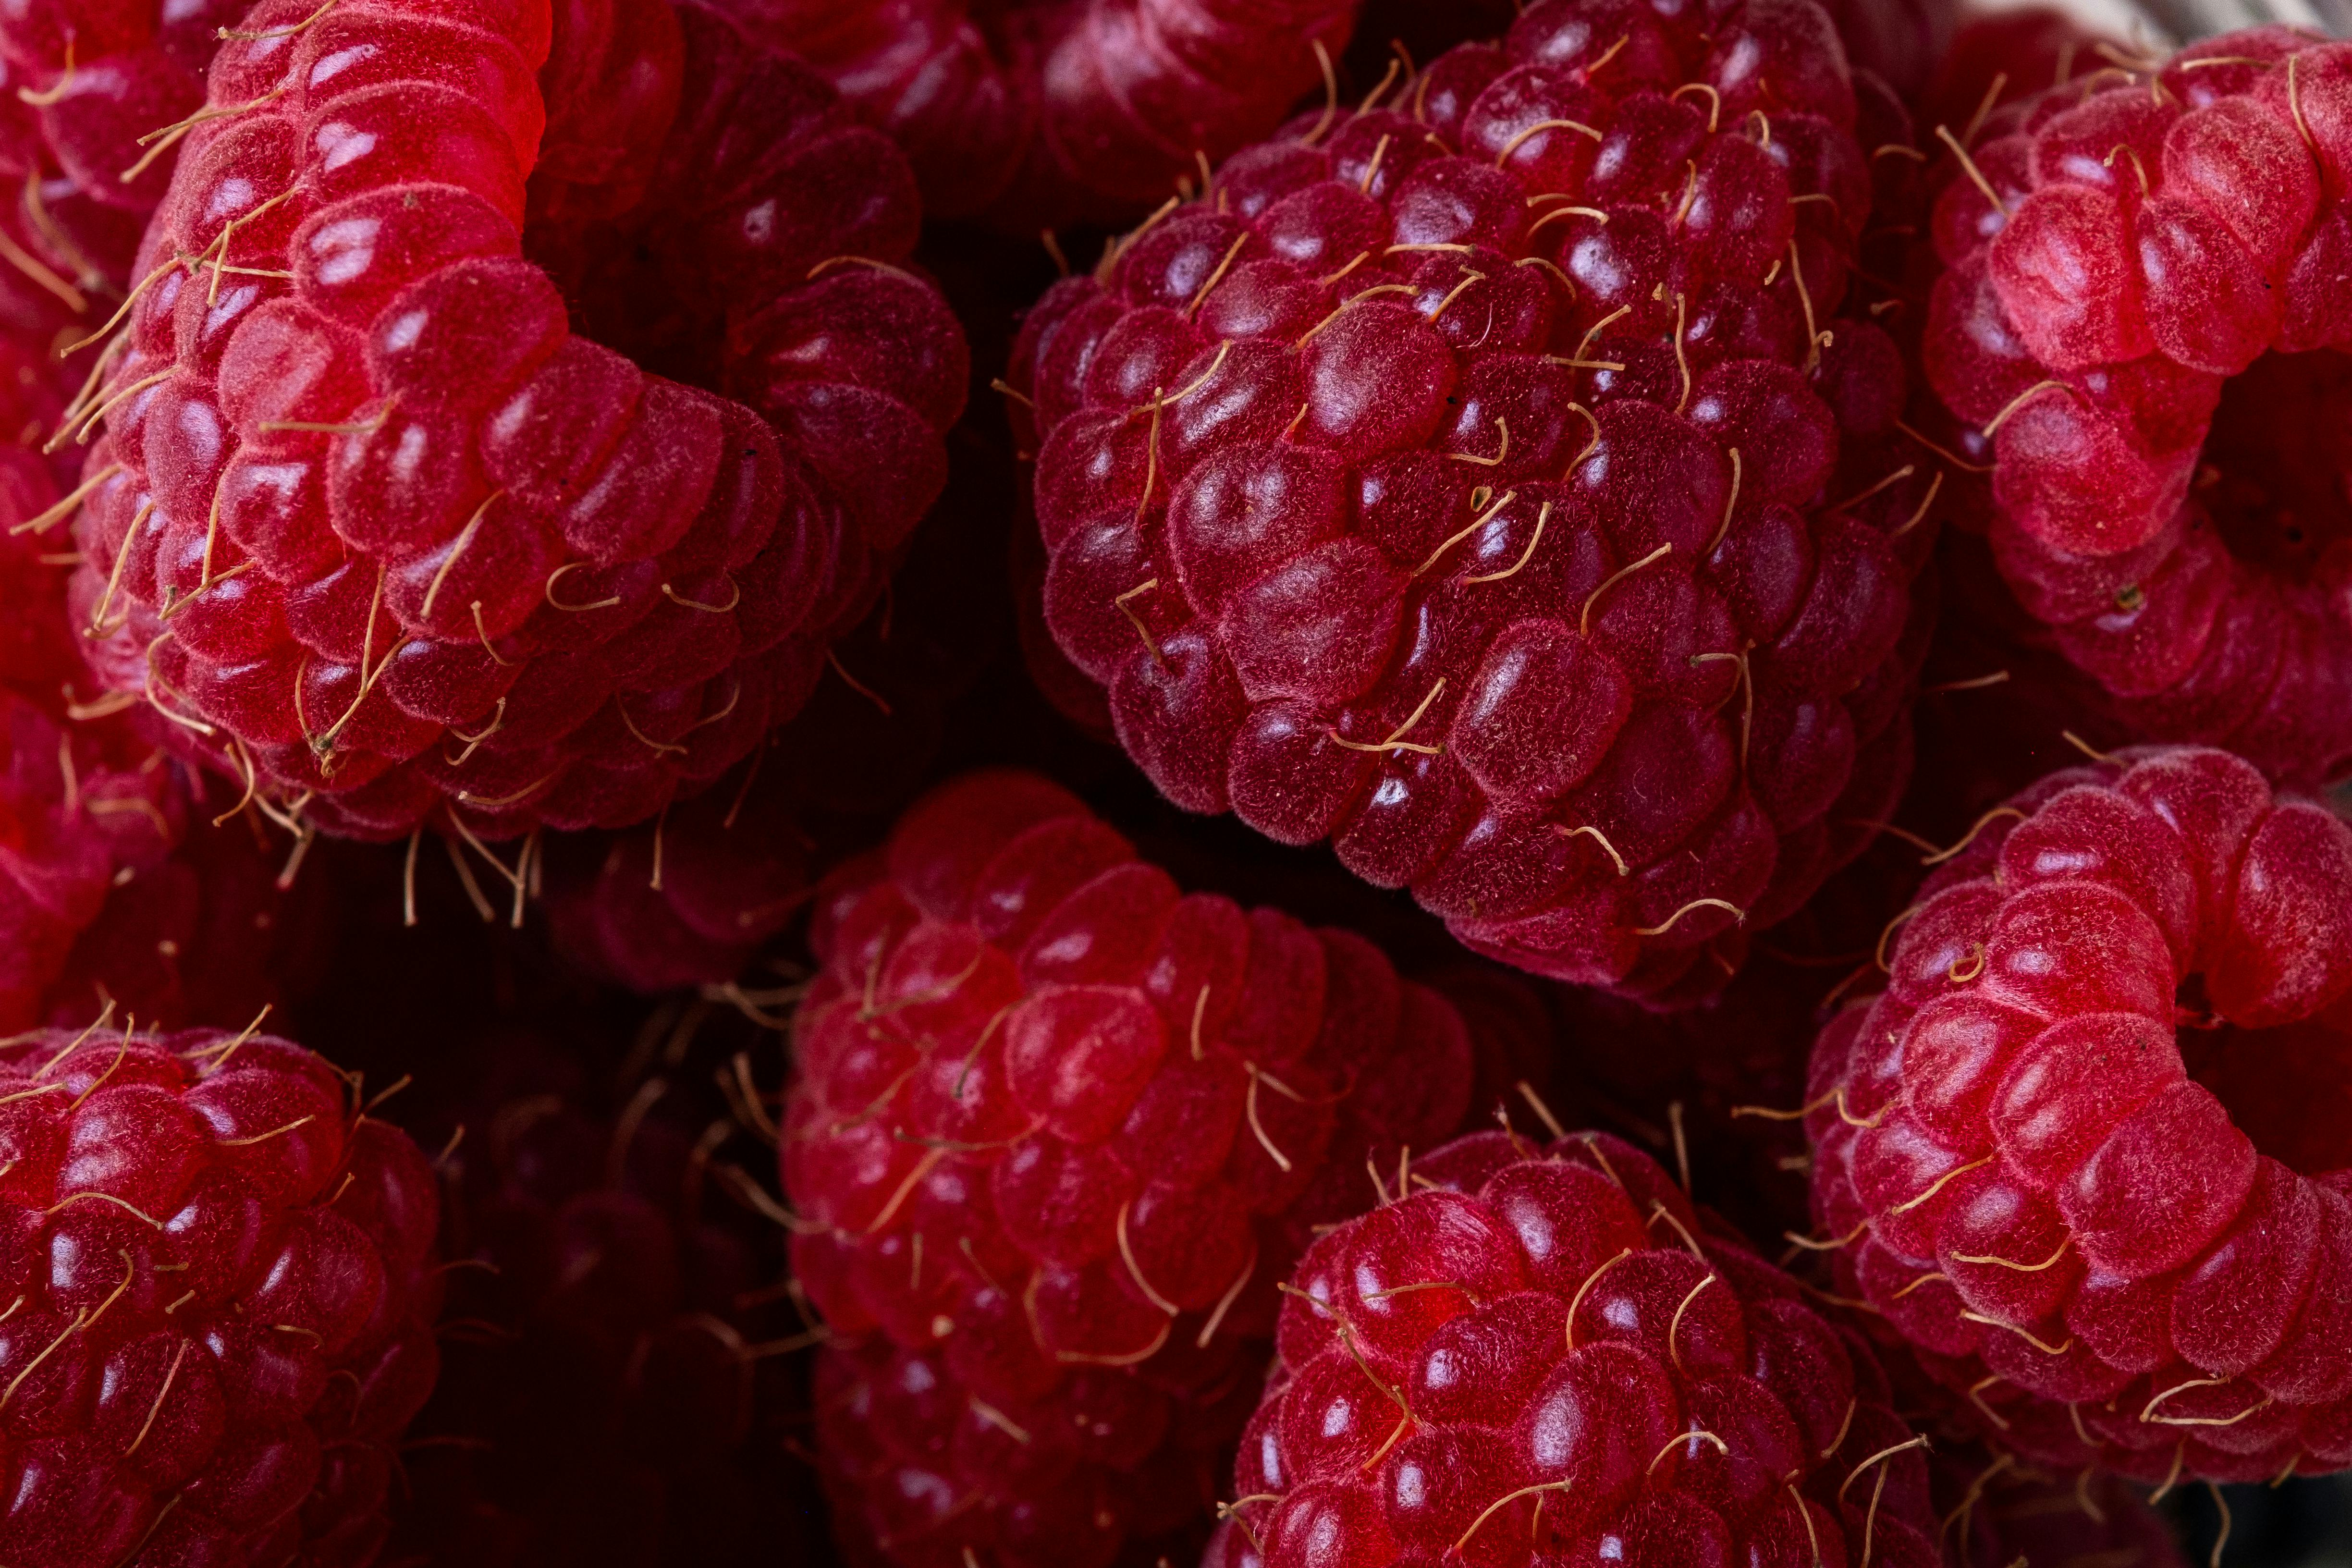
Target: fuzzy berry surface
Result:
[376, 531]
[2087, 1154]
[2140, 315]
[1054, 1135]
[222, 1294]
[1038, 113]
[1484, 480]
[1544, 1355]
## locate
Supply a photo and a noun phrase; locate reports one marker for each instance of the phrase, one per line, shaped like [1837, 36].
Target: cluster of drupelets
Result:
[1796, 556]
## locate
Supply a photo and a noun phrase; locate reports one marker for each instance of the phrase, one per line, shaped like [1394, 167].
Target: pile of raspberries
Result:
[1173, 784]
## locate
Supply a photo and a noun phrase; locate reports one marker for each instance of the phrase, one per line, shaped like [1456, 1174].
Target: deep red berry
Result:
[1472, 480]
[685, 902]
[1045, 112]
[115, 888]
[379, 533]
[1544, 1355]
[1999, 1513]
[620, 1393]
[2141, 313]
[1055, 1133]
[1997, 702]
[2087, 1154]
[222, 1296]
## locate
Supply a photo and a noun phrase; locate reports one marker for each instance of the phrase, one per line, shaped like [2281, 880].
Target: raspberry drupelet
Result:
[1482, 479]
[378, 534]
[1544, 1355]
[2141, 314]
[223, 1295]
[1055, 1134]
[2086, 1154]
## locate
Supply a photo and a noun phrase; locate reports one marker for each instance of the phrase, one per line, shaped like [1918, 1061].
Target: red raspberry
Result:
[1045, 112]
[223, 1296]
[1474, 509]
[92, 78]
[623, 1398]
[2140, 312]
[1427, 1404]
[114, 888]
[2087, 1153]
[67, 822]
[487, 573]
[1045, 1231]
[687, 902]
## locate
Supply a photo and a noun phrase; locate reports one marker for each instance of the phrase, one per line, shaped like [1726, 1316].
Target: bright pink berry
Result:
[1055, 1133]
[222, 1296]
[1546, 1354]
[389, 541]
[2087, 1154]
[1471, 481]
[2140, 312]
[1054, 111]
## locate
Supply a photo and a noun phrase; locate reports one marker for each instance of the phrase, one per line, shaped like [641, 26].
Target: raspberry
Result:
[2086, 1154]
[1428, 1404]
[1473, 510]
[1045, 112]
[1044, 1230]
[115, 892]
[1687, 1082]
[1997, 702]
[623, 1398]
[386, 541]
[2139, 314]
[94, 76]
[223, 1299]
